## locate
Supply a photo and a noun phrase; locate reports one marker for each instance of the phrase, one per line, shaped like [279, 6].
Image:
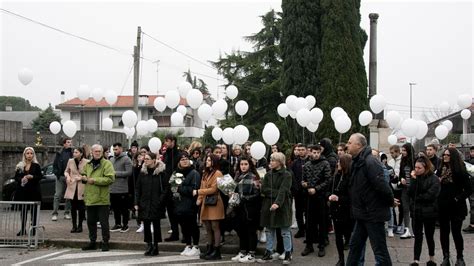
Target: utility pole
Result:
[157, 62]
[411, 96]
[136, 72]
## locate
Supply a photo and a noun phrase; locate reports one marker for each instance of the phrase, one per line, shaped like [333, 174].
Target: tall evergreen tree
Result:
[41, 123]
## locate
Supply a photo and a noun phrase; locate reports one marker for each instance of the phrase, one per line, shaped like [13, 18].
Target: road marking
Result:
[146, 260]
[84, 255]
[42, 257]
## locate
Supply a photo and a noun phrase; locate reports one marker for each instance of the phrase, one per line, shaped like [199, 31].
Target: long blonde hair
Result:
[21, 165]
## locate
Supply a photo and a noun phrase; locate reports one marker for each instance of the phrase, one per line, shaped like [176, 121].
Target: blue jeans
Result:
[58, 194]
[271, 237]
[376, 234]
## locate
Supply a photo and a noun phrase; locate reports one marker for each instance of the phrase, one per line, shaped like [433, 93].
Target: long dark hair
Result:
[81, 150]
[456, 164]
[252, 168]
[214, 164]
[410, 158]
[345, 161]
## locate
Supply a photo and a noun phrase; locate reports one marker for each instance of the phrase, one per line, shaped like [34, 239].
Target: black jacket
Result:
[371, 196]
[297, 171]
[185, 204]
[339, 186]
[151, 192]
[453, 194]
[60, 161]
[250, 200]
[317, 174]
[31, 191]
[171, 160]
[423, 192]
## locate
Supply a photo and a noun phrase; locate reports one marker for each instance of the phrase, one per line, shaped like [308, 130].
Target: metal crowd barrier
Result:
[20, 224]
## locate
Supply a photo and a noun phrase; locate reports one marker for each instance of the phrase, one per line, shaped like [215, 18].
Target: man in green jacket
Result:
[98, 175]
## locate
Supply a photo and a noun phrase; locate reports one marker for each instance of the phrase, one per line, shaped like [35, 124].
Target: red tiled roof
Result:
[122, 101]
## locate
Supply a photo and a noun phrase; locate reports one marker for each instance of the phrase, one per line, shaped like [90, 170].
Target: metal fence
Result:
[20, 224]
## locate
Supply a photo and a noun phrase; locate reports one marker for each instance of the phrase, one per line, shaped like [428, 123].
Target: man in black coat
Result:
[171, 159]
[297, 190]
[59, 166]
[371, 199]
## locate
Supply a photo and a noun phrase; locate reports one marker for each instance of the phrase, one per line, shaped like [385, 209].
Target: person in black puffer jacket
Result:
[185, 207]
[151, 192]
[423, 193]
[329, 154]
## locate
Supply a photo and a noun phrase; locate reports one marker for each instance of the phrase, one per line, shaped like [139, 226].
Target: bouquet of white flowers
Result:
[470, 169]
[261, 172]
[226, 184]
[176, 180]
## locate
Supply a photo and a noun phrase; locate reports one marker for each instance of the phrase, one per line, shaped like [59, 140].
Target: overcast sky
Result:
[426, 42]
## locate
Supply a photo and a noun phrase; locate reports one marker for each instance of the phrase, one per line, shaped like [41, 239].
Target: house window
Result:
[163, 121]
[188, 121]
[76, 116]
[117, 121]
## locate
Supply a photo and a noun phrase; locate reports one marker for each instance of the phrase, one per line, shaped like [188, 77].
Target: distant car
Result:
[48, 187]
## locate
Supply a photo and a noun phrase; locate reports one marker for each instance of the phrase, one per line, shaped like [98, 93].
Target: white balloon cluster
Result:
[238, 135]
[302, 110]
[69, 128]
[84, 93]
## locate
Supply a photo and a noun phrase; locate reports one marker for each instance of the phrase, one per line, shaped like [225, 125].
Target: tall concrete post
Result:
[373, 58]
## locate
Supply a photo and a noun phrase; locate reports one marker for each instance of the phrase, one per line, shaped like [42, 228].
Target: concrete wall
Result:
[11, 131]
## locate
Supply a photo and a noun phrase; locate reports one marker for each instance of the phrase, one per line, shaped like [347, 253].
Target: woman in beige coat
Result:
[211, 214]
[75, 188]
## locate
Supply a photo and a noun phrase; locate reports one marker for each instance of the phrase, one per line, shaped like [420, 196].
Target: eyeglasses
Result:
[446, 154]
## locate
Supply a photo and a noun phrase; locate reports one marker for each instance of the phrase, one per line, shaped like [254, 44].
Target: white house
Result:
[88, 114]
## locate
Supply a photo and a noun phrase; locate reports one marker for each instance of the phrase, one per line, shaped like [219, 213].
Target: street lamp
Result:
[411, 96]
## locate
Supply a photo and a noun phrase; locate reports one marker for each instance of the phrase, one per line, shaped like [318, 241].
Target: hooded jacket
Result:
[423, 192]
[151, 191]
[329, 153]
[123, 171]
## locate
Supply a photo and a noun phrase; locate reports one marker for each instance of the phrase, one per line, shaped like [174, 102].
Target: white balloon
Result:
[466, 114]
[343, 123]
[464, 100]
[212, 122]
[205, 112]
[219, 107]
[129, 131]
[107, 123]
[312, 127]
[392, 139]
[228, 136]
[55, 127]
[441, 132]
[365, 117]
[231, 92]
[194, 98]
[410, 127]
[422, 129]
[182, 110]
[301, 103]
[311, 101]
[219, 116]
[25, 76]
[336, 112]
[271, 134]
[444, 106]
[172, 99]
[142, 128]
[241, 107]
[152, 125]
[154, 144]
[69, 128]
[393, 119]
[111, 97]
[160, 104]
[291, 102]
[316, 116]
[303, 117]
[448, 124]
[129, 118]
[83, 93]
[292, 114]
[270, 124]
[241, 134]
[97, 94]
[377, 103]
[283, 110]
[257, 150]
[183, 88]
[176, 119]
[216, 133]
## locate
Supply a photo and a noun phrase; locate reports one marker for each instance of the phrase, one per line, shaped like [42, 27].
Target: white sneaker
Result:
[294, 225]
[99, 225]
[248, 259]
[170, 232]
[195, 251]
[141, 228]
[407, 234]
[152, 229]
[275, 255]
[67, 216]
[282, 256]
[390, 232]
[186, 250]
[263, 237]
[54, 218]
[238, 257]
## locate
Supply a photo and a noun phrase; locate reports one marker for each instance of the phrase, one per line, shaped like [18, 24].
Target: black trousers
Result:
[172, 218]
[98, 213]
[316, 221]
[156, 231]
[189, 228]
[247, 232]
[120, 203]
[429, 225]
[449, 224]
[343, 231]
[24, 217]
[300, 210]
[77, 207]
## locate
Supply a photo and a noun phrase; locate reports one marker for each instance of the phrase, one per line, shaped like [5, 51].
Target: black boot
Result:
[460, 262]
[91, 246]
[105, 246]
[340, 262]
[209, 249]
[155, 251]
[79, 229]
[215, 255]
[446, 261]
[149, 249]
[74, 229]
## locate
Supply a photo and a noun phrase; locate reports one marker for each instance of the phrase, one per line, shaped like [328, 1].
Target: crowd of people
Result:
[353, 190]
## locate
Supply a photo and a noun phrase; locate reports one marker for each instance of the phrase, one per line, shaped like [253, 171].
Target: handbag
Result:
[211, 200]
